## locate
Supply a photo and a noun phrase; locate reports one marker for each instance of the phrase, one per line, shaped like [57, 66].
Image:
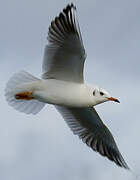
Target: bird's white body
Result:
[63, 93]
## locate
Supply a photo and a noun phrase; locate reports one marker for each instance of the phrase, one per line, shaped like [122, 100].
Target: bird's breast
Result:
[63, 93]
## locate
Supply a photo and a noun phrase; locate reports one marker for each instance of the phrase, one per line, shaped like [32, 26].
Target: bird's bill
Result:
[113, 99]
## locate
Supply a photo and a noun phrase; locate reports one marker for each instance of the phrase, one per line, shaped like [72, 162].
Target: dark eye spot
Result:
[101, 93]
[94, 93]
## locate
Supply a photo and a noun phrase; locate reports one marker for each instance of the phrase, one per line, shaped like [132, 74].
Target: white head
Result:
[100, 95]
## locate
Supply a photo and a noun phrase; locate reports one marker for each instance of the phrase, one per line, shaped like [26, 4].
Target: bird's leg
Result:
[25, 95]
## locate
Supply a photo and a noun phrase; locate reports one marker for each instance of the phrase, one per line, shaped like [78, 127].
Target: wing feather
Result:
[64, 55]
[86, 123]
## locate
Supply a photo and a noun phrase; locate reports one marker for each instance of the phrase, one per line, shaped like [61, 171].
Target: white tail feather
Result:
[28, 107]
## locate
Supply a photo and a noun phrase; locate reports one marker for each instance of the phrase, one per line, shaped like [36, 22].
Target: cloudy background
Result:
[42, 146]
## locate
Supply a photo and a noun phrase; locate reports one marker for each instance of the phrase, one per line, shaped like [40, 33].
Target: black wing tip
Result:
[127, 167]
[64, 24]
[69, 7]
[112, 154]
[66, 21]
[117, 158]
[122, 163]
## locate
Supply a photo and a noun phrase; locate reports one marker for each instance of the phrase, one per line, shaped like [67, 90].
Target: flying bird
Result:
[62, 84]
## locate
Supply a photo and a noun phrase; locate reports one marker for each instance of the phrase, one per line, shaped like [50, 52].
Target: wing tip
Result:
[123, 163]
[66, 22]
[69, 7]
[112, 153]
[115, 156]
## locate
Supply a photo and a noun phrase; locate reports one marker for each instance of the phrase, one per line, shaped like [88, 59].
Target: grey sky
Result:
[42, 146]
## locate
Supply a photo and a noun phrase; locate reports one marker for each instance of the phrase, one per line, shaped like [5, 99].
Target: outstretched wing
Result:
[86, 123]
[64, 55]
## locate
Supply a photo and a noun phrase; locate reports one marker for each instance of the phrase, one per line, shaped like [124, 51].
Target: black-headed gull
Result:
[63, 85]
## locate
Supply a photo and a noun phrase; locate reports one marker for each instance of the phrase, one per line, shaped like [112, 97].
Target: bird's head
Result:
[101, 95]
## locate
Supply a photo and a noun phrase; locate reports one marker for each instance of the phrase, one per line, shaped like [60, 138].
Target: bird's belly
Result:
[63, 93]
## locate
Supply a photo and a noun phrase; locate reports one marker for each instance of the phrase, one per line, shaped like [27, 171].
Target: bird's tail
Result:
[19, 100]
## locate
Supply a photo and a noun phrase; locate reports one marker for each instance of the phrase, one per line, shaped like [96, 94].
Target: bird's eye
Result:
[94, 93]
[101, 93]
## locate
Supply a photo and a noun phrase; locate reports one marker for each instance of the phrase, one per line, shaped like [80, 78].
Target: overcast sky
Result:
[42, 146]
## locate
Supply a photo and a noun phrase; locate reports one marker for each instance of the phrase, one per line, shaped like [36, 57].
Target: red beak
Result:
[113, 99]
